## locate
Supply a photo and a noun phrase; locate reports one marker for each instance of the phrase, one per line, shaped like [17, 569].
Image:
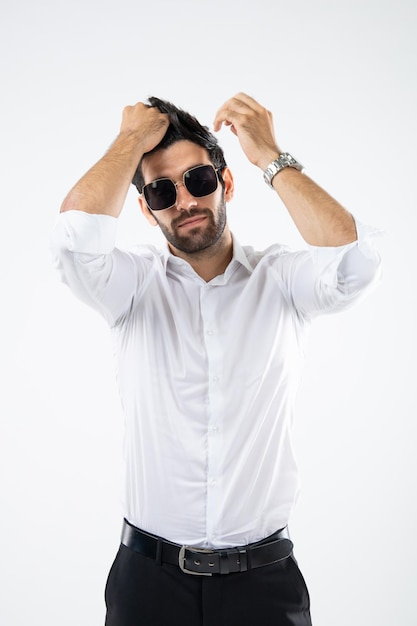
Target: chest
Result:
[186, 329]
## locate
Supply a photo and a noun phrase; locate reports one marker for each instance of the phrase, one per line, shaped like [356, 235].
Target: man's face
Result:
[192, 224]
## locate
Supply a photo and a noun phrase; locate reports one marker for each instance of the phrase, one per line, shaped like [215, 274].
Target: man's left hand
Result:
[253, 125]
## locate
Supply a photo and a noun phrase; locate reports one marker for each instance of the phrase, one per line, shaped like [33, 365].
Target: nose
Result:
[185, 200]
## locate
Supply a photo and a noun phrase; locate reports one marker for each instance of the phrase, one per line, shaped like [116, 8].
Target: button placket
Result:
[214, 352]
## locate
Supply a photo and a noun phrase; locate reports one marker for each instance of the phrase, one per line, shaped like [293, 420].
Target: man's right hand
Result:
[103, 188]
[148, 123]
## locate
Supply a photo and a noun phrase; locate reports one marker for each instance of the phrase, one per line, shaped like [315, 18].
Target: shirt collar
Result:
[239, 256]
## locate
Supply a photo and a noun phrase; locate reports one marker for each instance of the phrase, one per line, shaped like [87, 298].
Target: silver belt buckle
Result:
[181, 560]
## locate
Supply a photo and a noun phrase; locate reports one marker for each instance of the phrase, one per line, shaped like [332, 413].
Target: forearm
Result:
[103, 189]
[321, 220]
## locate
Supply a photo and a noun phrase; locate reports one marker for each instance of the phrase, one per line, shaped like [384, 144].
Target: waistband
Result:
[206, 562]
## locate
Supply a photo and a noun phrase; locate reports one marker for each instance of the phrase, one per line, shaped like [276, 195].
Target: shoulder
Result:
[274, 253]
[146, 253]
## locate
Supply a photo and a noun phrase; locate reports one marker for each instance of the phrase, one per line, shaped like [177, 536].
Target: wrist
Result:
[129, 144]
[267, 158]
[275, 166]
[268, 152]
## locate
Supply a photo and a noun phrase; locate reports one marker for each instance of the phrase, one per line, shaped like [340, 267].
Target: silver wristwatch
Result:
[284, 160]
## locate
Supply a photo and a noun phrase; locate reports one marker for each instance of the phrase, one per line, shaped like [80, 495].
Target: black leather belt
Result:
[204, 562]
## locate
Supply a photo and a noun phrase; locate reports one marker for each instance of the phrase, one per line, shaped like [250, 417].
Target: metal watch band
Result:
[284, 160]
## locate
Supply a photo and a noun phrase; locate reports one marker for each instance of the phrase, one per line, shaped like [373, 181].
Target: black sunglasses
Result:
[162, 193]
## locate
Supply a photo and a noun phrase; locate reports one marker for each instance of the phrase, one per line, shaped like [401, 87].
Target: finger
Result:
[248, 101]
[226, 117]
[230, 112]
[234, 104]
[242, 104]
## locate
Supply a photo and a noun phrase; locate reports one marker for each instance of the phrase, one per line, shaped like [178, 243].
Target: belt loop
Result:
[243, 560]
[249, 558]
[224, 562]
[158, 556]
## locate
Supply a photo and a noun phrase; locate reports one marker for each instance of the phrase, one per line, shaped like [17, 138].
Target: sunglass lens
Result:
[160, 194]
[201, 181]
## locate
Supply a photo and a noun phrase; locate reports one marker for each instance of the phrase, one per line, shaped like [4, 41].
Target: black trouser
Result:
[141, 592]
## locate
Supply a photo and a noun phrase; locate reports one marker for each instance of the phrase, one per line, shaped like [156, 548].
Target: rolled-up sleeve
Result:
[327, 279]
[84, 253]
[84, 233]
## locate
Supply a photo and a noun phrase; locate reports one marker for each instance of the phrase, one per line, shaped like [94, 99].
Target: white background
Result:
[340, 78]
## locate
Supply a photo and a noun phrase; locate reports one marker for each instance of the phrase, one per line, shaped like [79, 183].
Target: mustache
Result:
[190, 214]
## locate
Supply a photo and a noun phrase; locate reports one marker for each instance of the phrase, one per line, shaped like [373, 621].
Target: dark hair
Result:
[182, 126]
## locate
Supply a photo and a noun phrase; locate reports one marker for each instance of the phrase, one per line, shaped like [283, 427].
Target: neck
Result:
[212, 261]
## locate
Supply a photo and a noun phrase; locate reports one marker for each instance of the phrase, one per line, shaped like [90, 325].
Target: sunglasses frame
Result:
[216, 171]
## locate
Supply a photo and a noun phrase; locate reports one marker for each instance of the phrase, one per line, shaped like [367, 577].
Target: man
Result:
[208, 340]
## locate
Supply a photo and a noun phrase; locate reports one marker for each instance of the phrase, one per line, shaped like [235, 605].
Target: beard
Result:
[202, 236]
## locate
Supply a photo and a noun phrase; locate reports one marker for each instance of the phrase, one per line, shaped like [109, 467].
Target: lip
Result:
[193, 221]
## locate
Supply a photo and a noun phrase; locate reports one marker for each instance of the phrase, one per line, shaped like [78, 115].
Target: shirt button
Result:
[212, 482]
[215, 379]
[210, 332]
[214, 429]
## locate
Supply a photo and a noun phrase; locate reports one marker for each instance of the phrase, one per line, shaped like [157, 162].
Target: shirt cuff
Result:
[327, 259]
[86, 233]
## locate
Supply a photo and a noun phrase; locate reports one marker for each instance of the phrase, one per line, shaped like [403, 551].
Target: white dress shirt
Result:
[208, 372]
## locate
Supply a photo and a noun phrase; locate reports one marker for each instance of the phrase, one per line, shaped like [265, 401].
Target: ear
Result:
[146, 211]
[229, 185]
